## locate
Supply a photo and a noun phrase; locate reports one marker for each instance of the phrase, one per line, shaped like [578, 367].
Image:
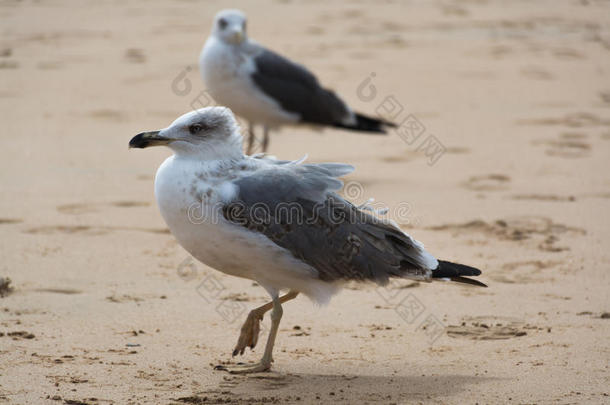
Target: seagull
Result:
[280, 223]
[267, 89]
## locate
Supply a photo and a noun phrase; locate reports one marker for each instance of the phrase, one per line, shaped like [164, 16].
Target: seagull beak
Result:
[237, 37]
[146, 139]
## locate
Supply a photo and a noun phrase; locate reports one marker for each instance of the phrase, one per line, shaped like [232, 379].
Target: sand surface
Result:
[108, 309]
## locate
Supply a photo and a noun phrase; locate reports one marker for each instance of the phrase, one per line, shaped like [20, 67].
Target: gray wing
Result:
[297, 90]
[296, 208]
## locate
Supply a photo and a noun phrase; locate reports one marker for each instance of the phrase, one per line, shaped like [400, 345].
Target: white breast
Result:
[191, 205]
[226, 73]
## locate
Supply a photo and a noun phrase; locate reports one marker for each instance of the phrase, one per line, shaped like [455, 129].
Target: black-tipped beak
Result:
[146, 139]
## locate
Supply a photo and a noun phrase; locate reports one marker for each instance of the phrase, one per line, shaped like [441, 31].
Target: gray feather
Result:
[297, 90]
[296, 208]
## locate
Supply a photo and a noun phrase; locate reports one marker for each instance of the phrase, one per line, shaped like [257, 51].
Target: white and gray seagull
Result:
[279, 223]
[267, 89]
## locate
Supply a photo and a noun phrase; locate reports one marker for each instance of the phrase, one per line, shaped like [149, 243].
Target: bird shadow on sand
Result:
[307, 388]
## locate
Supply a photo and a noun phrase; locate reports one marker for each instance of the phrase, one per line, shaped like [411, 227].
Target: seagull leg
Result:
[251, 327]
[249, 335]
[250, 145]
[265, 138]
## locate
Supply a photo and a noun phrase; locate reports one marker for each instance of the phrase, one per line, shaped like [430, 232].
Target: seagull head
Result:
[207, 133]
[230, 26]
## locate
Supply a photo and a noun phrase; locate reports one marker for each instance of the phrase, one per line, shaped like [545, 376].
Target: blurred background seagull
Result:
[279, 223]
[268, 89]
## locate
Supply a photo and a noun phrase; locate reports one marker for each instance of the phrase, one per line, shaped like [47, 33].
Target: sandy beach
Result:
[510, 173]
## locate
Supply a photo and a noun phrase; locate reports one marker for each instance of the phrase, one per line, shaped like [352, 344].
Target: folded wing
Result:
[295, 206]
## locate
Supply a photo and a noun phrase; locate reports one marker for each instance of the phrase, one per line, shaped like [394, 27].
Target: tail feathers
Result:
[367, 124]
[456, 272]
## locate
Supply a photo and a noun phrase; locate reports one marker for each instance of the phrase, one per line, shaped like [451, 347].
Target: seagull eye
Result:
[222, 23]
[195, 128]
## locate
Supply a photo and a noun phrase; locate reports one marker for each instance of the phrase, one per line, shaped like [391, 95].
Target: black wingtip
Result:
[457, 272]
[466, 280]
[368, 124]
